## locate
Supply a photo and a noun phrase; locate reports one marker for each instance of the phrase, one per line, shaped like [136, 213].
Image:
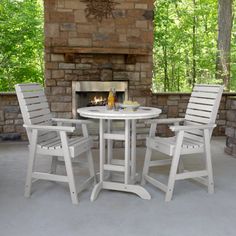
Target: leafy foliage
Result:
[185, 44]
[21, 42]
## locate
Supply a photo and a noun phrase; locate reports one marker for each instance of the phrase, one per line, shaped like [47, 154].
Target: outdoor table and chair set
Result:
[51, 137]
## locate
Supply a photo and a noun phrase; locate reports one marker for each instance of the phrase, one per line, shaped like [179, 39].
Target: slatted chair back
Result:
[34, 108]
[202, 108]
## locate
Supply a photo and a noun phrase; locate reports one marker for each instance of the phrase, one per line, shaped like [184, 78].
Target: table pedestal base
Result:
[118, 177]
[136, 189]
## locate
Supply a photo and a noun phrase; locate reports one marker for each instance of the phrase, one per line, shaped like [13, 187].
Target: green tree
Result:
[185, 44]
[21, 42]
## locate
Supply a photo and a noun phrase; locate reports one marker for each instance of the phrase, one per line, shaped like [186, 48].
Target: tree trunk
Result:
[188, 71]
[166, 77]
[194, 44]
[172, 85]
[224, 41]
[178, 85]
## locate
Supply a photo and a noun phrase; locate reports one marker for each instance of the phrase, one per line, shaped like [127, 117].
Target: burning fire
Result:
[98, 101]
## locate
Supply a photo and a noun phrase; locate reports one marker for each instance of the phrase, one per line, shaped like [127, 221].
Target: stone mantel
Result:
[96, 50]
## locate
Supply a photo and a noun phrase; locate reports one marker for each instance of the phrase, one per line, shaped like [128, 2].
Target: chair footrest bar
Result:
[160, 162]
[156, 183]
[117, 162]
[191, 174]
[200, 180]
[114, 168]
[114, 136]
[51, 177]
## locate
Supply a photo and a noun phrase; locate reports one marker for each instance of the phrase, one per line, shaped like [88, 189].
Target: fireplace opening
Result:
[95, 93]
[88, 99]
[97, 100]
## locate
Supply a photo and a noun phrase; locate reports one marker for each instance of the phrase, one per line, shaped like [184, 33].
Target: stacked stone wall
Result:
[231, 127]
[11, 123]
[172, 105]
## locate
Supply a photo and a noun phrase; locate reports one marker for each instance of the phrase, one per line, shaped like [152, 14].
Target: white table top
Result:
[100, 112]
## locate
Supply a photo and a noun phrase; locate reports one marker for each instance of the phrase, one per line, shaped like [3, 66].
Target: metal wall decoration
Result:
[99, 9]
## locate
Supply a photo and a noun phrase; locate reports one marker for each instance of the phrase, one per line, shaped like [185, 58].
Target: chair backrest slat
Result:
[30, 87]
[199, 94]
[34, 106]
[197, 119]
[207, 88]
[39, 106]
[194, 112]
[34, 114]
[36, 100]
[33, 94]
[41, 119]
[201, 101]
[202, 107]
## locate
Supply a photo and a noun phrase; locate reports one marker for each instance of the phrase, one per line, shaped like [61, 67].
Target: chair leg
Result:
[109, 147]
[181, 165]
[174, 167]
[208, 161]
[31, 161]
[71, 179]
[69, 169]
[91, 166]
[171, 180]
[89, 155]
[28, 183]
[146, 165]
[54, 165]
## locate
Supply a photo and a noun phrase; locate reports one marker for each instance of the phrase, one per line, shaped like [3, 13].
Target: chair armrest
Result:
[192, 127]
[72, 121]
[165, 121]
[50, 128]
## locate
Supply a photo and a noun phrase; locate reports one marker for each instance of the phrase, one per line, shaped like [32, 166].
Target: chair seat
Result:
[77, 145]
[167, 145]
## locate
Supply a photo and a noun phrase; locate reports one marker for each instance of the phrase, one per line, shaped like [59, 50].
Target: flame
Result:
[97, 100]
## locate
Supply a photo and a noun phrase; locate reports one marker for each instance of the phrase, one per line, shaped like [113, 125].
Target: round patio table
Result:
[128, 166]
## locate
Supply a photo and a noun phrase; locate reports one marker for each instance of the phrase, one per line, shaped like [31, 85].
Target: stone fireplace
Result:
[80, 49]
[92, 93]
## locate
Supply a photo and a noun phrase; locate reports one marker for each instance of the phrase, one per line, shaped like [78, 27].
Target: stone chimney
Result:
[86, 45]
